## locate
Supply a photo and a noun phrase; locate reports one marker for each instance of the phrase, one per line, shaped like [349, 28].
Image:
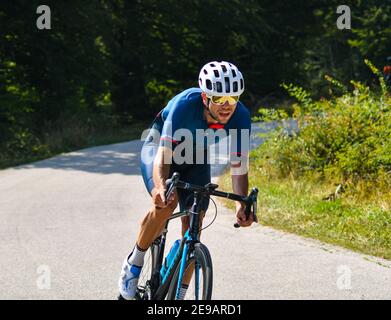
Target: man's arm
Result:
[161, 170]
[240, 186]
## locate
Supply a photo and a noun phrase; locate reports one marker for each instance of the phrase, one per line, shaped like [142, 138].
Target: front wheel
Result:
[198, 275]
[149, 276]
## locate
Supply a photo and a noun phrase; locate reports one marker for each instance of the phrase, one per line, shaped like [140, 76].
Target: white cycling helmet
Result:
[221, 78]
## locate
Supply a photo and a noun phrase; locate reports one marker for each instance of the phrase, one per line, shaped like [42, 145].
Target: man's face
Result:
[222, 112]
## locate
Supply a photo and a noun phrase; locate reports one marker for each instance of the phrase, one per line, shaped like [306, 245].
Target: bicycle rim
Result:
[199, 269]
[145, 275]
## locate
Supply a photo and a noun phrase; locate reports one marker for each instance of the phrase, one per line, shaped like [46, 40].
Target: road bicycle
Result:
[189, 259]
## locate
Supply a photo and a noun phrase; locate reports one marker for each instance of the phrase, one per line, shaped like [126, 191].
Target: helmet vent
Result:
[209, 84]
[205, 72]
[224, 68]
[216, 73]
[219, 87]
[227, 86]
[241, 84]
[234, 73]
[235, 86]
[212, 65]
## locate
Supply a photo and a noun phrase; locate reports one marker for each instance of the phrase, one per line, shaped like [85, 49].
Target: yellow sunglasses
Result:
[222, 100]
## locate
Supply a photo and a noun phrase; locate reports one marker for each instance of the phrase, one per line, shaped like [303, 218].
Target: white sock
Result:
[137, 257]
[182, 291]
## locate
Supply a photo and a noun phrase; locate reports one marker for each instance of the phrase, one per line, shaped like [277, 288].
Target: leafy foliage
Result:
[345, 138]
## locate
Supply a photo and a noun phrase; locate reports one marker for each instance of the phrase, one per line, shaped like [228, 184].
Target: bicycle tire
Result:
[201, 256]
[147, 271]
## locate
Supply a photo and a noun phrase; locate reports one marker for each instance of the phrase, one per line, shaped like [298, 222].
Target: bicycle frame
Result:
[186, 247]
[158, 286]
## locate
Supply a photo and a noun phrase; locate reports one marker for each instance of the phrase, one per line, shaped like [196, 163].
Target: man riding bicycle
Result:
[387, 72]
[213, 107]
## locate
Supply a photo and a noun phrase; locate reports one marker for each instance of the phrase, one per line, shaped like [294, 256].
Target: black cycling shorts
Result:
[198, 174]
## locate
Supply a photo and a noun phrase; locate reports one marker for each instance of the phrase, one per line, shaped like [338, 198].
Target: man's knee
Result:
[167, 211]
[158, 215]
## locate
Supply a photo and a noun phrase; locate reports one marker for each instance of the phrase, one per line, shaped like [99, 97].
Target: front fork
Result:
[192, 237]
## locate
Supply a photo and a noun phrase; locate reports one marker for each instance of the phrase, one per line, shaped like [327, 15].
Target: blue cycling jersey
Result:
[186, 111]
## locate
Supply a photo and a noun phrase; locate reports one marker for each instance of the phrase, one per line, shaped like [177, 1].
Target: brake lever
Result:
[171, 183]
[251, 204]
[247, 212]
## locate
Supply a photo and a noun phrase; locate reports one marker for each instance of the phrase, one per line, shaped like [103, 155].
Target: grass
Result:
[296, 206]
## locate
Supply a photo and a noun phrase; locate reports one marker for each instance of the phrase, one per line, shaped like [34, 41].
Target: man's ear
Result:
[204, 99]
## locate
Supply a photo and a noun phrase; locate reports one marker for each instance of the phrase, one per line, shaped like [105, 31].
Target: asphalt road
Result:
[66, 224]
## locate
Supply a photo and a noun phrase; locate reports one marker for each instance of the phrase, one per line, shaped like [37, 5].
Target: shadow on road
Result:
[121, 158]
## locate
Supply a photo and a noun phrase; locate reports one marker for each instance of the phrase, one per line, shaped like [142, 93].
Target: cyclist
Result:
[215, 106]
[387, 72]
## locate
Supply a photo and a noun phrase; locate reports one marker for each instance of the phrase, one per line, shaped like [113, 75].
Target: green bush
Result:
[346, 138]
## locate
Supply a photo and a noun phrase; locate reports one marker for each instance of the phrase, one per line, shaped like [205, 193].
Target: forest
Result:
[105, 67]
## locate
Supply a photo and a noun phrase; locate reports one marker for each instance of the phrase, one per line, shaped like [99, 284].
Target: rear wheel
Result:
[199, 270]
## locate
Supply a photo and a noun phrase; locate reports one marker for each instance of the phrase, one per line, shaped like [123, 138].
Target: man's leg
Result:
[153, 224]
[151, 227]
[186, 223]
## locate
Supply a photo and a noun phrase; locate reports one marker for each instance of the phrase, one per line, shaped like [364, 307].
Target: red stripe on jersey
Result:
[168, 139]
[216, 126]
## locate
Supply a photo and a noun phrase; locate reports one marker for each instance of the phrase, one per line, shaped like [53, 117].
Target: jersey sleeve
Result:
[176, 119]
[240, 143]
[240, 135]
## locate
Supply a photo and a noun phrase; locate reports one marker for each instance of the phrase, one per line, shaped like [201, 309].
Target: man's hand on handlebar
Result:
[246, 207]
[241, 216]
[159, 197]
